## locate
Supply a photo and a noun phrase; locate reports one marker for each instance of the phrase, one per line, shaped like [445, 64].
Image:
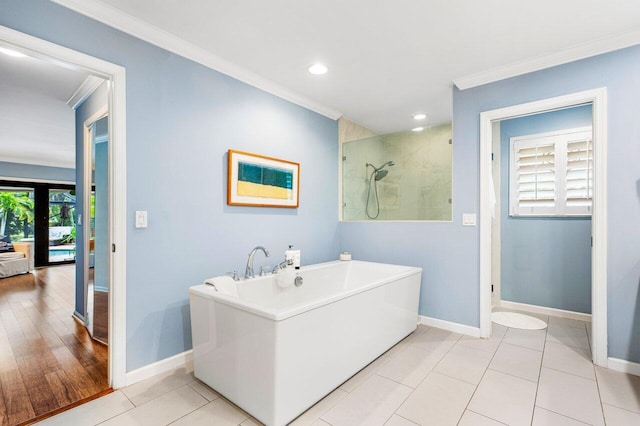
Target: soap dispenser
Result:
[292, 257]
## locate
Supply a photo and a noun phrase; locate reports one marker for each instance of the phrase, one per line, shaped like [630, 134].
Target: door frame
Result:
[116, 77]
[598, 99]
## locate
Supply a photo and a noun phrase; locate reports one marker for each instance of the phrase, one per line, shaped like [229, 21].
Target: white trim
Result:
[87, 165]
[624, 366]
[598, 47]
[117, 181]
[150, 33]
[598, 98]
[159, 367]
[560, 313]
[88, 86]
[450, 326]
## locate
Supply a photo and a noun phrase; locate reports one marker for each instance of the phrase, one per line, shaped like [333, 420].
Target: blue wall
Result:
[32, 171]
[181, 120]
[544, 261]
[618, 72]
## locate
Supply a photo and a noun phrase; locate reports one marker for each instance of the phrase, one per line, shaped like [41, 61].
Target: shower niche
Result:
[402, 176]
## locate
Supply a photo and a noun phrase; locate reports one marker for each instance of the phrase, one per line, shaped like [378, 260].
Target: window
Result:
[552, 174]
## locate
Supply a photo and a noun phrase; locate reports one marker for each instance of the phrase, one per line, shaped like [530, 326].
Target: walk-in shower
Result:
[398, 176]
[377, 174]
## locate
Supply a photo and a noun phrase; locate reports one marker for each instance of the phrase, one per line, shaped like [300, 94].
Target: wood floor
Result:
[47, 359]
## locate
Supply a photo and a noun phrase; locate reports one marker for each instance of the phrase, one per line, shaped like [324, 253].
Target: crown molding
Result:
[582, 51]
[88, 86]
[143, 30]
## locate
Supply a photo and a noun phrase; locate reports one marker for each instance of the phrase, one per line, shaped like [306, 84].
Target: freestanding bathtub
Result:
[276, 351]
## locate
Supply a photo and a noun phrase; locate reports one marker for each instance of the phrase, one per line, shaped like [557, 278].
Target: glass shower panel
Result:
[398, 176]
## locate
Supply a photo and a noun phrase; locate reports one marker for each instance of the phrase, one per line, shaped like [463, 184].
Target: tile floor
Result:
[433, 377]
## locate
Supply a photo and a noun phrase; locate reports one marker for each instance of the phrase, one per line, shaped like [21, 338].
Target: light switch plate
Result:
[468, 219]
[141, 219]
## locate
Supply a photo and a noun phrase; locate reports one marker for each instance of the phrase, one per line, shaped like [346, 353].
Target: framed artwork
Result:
[261, 181]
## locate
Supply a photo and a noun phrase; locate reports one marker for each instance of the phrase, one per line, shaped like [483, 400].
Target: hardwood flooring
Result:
[47, 358]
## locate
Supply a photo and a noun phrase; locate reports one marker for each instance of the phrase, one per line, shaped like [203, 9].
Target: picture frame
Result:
[262, 181]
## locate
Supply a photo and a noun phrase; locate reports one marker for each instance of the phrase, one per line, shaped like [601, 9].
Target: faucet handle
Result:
[264, 270]
[233, 275]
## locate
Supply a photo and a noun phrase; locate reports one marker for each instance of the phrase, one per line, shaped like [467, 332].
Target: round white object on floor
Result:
[516, 320]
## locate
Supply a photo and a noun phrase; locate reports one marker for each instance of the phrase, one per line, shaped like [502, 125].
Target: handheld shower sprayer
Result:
[377, 174]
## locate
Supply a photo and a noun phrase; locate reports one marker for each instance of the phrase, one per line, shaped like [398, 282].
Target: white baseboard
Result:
[450, 326]
[544, 310]
[159, 367]
[624, 366]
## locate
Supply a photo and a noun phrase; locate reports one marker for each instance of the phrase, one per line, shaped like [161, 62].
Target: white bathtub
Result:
[276, 351]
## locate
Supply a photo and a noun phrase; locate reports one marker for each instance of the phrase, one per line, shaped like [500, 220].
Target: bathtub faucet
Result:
[248, 272]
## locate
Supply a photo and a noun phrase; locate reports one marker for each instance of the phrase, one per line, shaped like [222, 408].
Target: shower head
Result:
[377, 169]
[379, 174]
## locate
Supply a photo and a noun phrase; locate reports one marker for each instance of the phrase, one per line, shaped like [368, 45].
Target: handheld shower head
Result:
[380, 174]
[377, 169]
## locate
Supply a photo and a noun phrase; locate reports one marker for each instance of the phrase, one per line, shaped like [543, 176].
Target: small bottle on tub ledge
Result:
[345, 255]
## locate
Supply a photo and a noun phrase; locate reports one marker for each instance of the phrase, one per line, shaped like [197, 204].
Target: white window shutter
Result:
[552, 174]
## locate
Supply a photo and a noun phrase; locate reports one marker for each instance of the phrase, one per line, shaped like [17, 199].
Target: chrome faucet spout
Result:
[248, 272]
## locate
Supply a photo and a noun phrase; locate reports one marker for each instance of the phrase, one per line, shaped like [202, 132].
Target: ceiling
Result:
[386, 59]
[37, 120]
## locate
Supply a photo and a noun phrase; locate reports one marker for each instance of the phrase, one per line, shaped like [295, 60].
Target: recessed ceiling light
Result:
[318, 69]
[417, 129]
[419, 116]
[13, 53]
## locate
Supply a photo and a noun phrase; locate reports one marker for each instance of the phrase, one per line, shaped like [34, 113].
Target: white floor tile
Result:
[569, 359]
[435, 342]
[615, 416]
[439, 400]
[532, 339]
[320, 422]
[372, 403]
[251, 422]
[567, 335]
[542, 417]
[517, 361]
[469, 418]
[498, 330]
[162, 410]
[504, 398]
[464, 363]
[396, 420]
[569, 395]
[204, 390]
[361, 376]
[408, 367]
[218, 412]
[151, 388]
[93, 412]
[321, 407]
[488, 345]
[619, 389]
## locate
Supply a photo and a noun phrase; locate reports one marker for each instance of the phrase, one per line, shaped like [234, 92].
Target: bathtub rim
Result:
[208, 292]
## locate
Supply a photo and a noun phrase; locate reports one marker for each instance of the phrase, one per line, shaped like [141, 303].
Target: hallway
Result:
[47, 360]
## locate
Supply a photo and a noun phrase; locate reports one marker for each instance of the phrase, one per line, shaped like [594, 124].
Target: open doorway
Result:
[71, 357]
[597, 99]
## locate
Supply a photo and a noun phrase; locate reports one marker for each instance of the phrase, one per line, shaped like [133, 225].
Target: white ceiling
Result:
[386, 59]
[37, 125]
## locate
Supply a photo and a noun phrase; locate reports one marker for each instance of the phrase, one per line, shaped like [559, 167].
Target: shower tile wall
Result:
[418, 187]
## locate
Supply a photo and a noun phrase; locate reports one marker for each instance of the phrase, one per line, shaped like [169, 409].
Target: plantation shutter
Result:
[535, 177]
[552, 174]
[579, 174]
